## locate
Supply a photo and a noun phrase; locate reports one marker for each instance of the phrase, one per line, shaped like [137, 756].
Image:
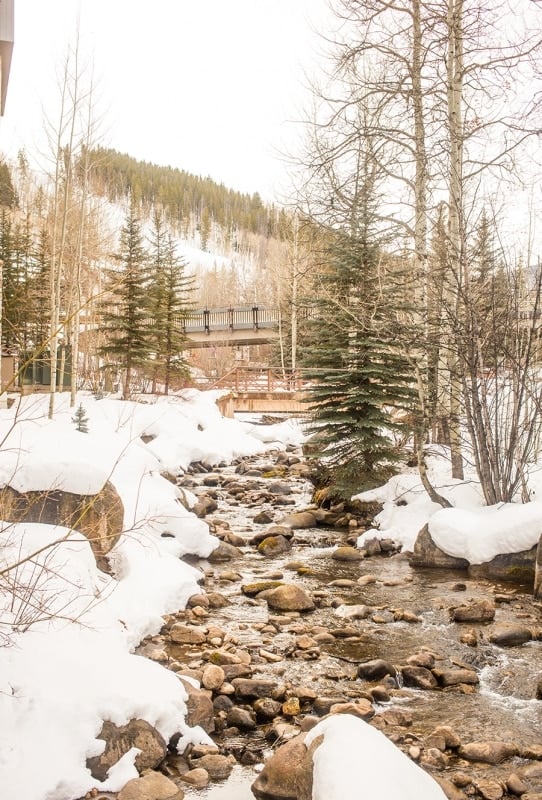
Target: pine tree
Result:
[358, 376]
[126, 314]
[170, 291]
[80, 419]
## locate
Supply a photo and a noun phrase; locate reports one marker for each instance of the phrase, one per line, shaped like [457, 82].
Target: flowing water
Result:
[502, 707]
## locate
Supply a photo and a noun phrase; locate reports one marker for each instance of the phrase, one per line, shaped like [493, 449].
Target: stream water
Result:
[502, 707]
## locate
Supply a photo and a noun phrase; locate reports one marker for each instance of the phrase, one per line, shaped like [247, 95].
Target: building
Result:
[7, 15]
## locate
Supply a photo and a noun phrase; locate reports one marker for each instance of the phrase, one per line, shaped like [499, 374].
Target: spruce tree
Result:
[125, 315]
[357, 374]
[80, 419]
[169, 293]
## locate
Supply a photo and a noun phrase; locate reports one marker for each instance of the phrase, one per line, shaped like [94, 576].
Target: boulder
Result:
[376, 669]
[301, 519]
[152, 786]
[287, 775]
[481, 611]
[288, 597]
[224, 552]
[199, 707]
[120, 739]
[217, 766]
[490, 752]
[510, 635]
[454, 677]
[274, 546]
[514, 567]
[418, 677]
[346, 553]
[99, 517]
[427, 554]
[254, 688]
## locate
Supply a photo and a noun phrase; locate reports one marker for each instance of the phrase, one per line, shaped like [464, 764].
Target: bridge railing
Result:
[205, 320]
[263, 379]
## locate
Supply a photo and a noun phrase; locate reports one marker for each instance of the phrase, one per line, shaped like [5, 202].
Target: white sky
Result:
[209, 86]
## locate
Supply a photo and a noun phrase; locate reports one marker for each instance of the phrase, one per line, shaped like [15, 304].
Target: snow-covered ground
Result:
[469, 529]
[67, 660]
[68, 631]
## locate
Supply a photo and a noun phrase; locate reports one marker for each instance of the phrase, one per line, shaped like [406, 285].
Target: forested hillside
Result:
[185, 198]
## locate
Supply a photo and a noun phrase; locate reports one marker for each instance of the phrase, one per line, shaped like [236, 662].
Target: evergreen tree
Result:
[80, 419]
[8, 195]
[358, 376]
[126, 313]
[170, 291]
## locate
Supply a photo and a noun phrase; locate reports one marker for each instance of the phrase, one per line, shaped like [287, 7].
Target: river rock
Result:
[120, 739]
[514, 567]
[454, 677]
[362, 708]
[205, 504]
[213, 677]
[99, 517]
[199, 707]
[273, 530]
[301, 519]
[274, 546]
[266, 708]
[427, 554]
[481, 611]
[287, 775]
[490, 752]
[376, 669]
[241, 718]
[510, 635]
[263, 518]
[152, 786]
[323, 705]
[279, 487]
[253, 589]
[224, 552]
[254, 688]
[197, 777]
[345, 553]
[218, 767]
[184, 634]
[418, 677]
[288, 597]
[489, 790]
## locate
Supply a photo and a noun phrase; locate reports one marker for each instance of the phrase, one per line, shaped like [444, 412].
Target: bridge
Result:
[242, 325]
[263, 390]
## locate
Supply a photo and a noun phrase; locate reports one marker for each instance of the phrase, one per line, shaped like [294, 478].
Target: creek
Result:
[401, 612]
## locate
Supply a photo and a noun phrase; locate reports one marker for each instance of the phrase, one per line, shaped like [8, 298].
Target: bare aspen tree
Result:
[67, 134]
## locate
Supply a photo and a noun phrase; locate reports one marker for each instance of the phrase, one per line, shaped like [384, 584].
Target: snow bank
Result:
[70, 628]
[355, 754]
[482, 534]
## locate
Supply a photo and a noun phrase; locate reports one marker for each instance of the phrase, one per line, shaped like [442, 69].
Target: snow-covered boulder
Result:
[343, 758]
[496, 542]
[98, 516]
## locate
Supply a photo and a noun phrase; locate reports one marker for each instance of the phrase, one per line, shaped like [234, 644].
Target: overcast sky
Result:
[209, 86]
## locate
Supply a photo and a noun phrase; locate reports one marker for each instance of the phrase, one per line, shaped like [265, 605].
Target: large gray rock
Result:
[513, 567]
[120, 739]
[99, 517]
[427, 554]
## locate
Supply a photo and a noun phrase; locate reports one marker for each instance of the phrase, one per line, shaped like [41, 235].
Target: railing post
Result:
[206, 321]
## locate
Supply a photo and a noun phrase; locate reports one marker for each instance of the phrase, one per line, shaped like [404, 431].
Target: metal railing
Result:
[205, 320]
